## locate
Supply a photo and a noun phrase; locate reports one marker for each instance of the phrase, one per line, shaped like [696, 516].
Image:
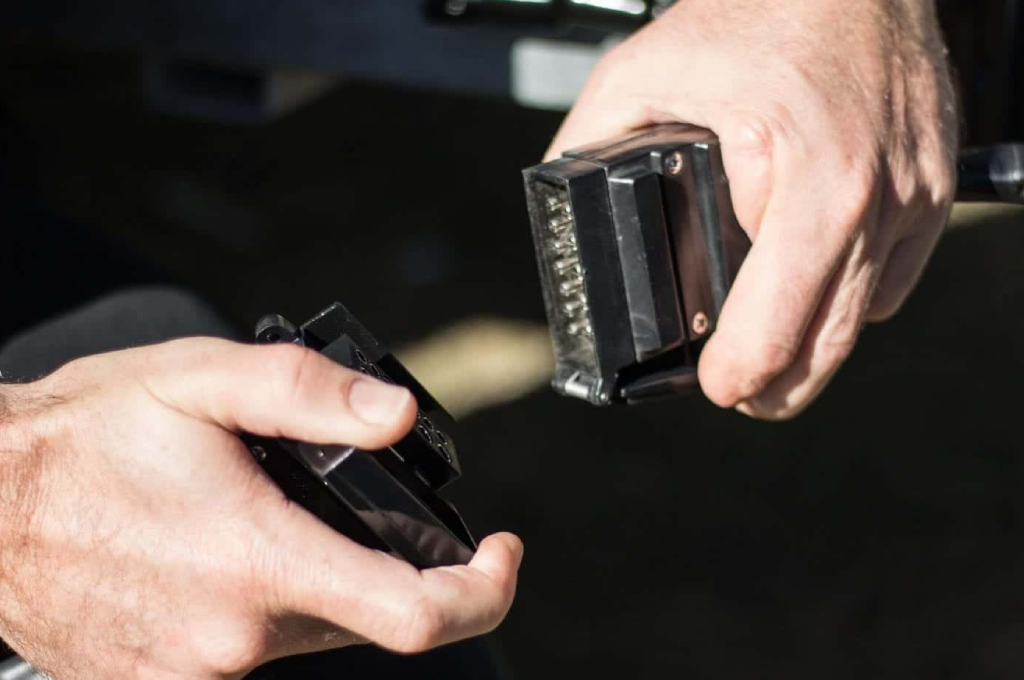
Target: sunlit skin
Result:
[140, 539]
[839, 130]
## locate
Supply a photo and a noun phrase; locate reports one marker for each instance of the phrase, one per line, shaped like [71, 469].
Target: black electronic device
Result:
[385, 500]
[637, 245]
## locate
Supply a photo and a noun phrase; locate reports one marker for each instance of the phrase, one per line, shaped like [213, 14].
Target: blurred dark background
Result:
[275, 157]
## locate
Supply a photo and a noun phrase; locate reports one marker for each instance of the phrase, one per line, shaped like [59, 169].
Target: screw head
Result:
[258, 453]
[674, 163]
[701, 323]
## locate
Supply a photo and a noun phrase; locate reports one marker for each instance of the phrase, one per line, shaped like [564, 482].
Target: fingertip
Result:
[499, 556]
[713, 373]
[759, 410]
[747, 409]
[389, 410]
[514, 544]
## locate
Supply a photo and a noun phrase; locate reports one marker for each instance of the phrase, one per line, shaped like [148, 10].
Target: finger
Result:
[829, 340]
[804, 237]
[382, 599]
[901, 273]
[281, 391]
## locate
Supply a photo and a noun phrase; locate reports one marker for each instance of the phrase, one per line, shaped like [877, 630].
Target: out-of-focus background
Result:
[275, 157]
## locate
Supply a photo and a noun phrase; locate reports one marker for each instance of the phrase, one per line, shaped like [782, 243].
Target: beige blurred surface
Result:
[980, 214]
[482, 362]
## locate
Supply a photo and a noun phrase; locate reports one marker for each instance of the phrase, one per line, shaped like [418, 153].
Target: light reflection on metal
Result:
[633, 7]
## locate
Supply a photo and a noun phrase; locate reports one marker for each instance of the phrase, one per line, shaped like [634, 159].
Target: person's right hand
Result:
[138, 538]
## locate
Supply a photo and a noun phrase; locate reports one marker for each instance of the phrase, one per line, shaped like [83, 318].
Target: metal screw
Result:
[700, 323]
[258, 453]
[674, 163]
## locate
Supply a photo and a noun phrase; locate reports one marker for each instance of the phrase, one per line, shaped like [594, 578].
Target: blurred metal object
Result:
[17, 669]
[614, 15]
[992, 174]
[487, 47]
[397, 41]
[223, 59]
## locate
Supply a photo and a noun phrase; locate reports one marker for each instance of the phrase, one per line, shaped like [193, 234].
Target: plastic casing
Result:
[385, 500]
[658, 248]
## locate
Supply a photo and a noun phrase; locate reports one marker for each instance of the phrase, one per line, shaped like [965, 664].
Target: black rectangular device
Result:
[385, 500]
[637, 245]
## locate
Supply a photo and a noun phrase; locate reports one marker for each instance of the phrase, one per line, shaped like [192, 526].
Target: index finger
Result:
[804, 237]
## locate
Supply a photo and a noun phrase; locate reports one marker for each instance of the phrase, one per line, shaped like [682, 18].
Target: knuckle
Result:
[422, 628]
[288, 367]
[72, 376]
[232, 650]
[771, 124]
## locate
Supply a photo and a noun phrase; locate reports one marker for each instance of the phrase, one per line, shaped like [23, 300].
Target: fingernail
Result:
[746, 408]
[375, 402]
[515, 544]
[522, 551]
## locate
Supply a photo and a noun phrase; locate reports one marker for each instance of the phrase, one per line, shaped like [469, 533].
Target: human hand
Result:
[138, 538]
[838, 128]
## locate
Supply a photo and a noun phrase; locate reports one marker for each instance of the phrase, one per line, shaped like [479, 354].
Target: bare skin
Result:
[838, 127]
[140, 540]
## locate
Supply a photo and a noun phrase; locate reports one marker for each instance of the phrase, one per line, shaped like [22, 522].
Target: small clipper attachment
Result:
[637, 246]
[386, 500]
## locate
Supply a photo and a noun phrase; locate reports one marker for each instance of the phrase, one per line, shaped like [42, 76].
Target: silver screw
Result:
[674, 163]
[258, 453]
[700, 323]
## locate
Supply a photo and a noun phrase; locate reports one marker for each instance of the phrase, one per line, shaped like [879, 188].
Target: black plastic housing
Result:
[637, 245]
[385, 500]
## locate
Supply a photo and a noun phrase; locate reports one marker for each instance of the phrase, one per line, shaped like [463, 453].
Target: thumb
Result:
[280, 391]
